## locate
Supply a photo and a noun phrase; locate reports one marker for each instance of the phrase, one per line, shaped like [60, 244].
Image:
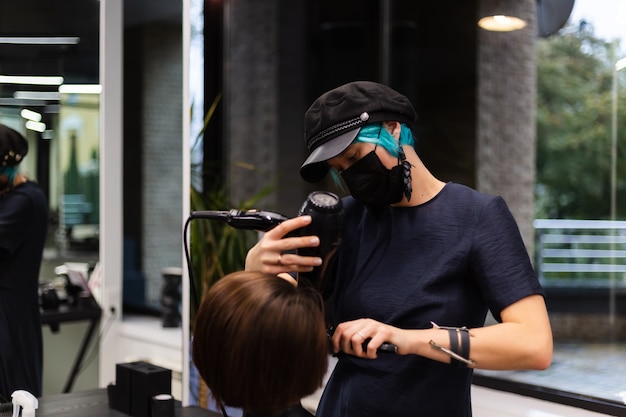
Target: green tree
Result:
[574, 79]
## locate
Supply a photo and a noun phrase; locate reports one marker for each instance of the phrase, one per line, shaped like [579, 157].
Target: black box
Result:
[147, 381]
[136, 384]
[123, 386]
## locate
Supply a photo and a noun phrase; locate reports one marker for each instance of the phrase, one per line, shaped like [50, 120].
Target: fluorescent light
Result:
[620, 64]
[36, 126]
[80, 88]
[48, 40]
[37, 95]
[5, 101]
[30, 115]
[501, 23]
[34, 80]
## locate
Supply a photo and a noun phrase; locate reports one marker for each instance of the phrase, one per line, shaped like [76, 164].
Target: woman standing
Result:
[421, 263]
[23, 229]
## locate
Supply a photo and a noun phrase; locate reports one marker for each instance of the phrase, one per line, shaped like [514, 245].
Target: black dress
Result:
[448, 261]
[23, 228]
[295, 411]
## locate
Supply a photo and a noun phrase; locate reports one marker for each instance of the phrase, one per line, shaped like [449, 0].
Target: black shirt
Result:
[23, 228]
[448, 261]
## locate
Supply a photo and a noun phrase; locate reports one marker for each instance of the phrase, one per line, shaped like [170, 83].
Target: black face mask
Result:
[370, 182]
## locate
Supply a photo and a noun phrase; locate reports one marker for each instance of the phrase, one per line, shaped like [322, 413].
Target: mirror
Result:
[49, 76]
[47, 53]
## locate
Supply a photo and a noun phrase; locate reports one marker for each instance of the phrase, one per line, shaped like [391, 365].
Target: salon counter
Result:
[94, 403]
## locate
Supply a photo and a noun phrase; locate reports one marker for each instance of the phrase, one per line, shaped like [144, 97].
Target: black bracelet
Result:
[454, 346]
[465, 346]
[459, 354]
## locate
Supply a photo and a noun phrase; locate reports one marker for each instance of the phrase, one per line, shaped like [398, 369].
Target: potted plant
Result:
[215, 248]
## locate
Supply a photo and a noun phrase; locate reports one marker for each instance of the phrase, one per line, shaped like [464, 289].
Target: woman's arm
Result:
[522, 341]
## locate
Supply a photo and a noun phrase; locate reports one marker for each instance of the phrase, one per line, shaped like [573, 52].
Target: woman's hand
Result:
[363, 337]
[275, 253]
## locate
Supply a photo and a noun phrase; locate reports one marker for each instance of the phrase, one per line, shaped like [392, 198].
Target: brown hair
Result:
[260, 342]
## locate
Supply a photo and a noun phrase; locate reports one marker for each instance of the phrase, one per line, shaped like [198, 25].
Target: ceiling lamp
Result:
[80, 89]
[507, 15]
[501, 23]
[35, 80]
[36, 126]
[31, 115]
[503, 15]
[37, 95]
[47, 40]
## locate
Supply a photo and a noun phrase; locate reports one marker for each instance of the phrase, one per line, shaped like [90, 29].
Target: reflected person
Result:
[23, 229]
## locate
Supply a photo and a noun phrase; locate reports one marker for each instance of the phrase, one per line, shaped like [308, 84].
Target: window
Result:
[581, 205]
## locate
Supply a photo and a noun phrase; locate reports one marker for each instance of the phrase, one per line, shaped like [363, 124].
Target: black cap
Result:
[13, 146]
[333, 121]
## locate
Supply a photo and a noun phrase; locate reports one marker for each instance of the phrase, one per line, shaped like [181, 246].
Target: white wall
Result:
[111, 218]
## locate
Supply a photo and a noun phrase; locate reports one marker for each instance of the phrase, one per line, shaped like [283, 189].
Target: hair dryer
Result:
[325, 209]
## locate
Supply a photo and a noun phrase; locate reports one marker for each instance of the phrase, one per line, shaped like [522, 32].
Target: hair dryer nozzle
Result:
[261, 220]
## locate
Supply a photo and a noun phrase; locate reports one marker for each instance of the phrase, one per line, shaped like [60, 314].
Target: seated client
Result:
[260, 344]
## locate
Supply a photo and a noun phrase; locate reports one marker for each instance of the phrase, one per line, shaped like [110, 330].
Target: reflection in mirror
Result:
[78, 149]
[47, 49]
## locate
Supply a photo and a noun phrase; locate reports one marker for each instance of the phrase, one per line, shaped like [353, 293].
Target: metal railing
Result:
[580, 251]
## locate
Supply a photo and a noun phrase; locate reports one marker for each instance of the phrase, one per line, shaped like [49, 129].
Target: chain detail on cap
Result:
[346, 125]
[11, 157]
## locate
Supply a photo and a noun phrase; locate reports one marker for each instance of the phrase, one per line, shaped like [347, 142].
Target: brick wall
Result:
[161, 154]
[506, 115]
[251, 96]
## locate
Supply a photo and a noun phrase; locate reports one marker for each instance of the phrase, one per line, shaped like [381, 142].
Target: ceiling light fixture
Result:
[30, 115]
[33, 80]
[501, 23]
[502, 15]
[36, 126]
[48, 40]
[37, 95]
[6, 101]
[80, 89]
